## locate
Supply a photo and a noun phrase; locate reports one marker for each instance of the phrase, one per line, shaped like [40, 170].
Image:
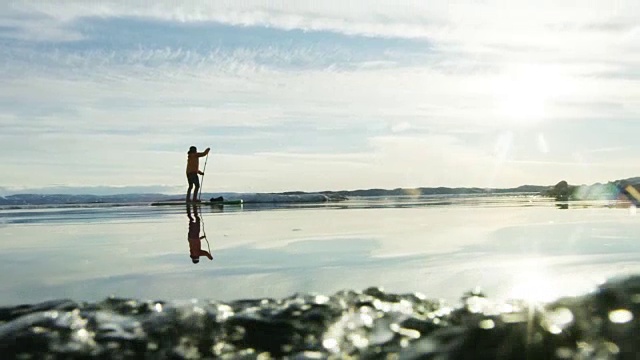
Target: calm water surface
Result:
[509, 247]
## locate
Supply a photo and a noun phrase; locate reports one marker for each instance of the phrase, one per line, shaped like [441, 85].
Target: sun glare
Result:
[524, 93]
[533, 287]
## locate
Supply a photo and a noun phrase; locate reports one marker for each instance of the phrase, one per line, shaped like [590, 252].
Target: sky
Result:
[317, 95]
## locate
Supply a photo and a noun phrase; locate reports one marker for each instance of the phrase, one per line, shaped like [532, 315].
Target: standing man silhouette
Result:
[193, 169]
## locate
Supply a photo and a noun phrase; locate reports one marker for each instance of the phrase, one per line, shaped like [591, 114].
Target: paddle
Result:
[203, 172]
[204, 232]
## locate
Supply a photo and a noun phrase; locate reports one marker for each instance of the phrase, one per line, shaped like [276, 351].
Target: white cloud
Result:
[490, 67]
[184, 109]
[495, 22]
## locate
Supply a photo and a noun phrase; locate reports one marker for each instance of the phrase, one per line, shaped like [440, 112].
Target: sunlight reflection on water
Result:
[511, 247]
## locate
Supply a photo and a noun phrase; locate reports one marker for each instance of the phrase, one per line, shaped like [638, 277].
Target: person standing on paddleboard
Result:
[193, 169]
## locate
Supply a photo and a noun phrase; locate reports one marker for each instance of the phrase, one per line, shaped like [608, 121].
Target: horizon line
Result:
[487, 189]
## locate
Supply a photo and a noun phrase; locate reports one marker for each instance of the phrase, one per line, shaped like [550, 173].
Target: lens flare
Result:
[534, 287]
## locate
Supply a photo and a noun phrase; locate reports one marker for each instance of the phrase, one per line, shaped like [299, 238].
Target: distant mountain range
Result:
[60, 199]
[572, 192]
[436, 191]
[94, 190]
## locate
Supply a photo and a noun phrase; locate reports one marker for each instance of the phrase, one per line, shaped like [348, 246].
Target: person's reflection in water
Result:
[194, 237]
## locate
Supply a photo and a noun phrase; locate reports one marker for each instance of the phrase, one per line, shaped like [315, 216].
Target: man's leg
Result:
[195, 180]
[190, 180]
[195, 192]
[189, 192]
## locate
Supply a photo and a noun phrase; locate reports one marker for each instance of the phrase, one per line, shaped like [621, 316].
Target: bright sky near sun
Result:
[318, 95]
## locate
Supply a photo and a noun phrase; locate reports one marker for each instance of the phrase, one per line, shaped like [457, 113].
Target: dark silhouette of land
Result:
[625, 189]
[560, 191]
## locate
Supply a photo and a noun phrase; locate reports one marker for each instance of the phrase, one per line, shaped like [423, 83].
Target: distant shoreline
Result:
[562, 191]
[78, 199]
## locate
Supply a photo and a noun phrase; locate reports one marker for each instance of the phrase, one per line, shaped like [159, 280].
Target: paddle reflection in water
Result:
[193, 236]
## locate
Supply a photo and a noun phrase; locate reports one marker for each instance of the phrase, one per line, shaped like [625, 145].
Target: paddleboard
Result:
[224, 202]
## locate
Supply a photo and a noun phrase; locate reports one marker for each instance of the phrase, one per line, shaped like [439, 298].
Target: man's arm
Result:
[204, 153]
[206, 253]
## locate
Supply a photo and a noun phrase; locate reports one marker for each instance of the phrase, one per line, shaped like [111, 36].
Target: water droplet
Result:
[555, 321]
[475, 304]
[620, 316]
[39, 330]
[330, 344]
[312, 355]
[564, 353]
[367, 320]
[420, 296]
[487, 324]
[359, 341]
[52, 314]
[83, 335]
[612, 348]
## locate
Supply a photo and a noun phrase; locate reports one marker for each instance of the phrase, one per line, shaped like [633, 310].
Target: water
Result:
[135, 292]
[510, 247]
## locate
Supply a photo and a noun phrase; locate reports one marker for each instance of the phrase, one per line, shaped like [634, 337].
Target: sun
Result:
[524, 93]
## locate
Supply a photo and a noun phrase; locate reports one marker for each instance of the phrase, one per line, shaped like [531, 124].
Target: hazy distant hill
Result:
[49, 199]
[439, 191]
[571, 192]
[62, 199]
[94, 190]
